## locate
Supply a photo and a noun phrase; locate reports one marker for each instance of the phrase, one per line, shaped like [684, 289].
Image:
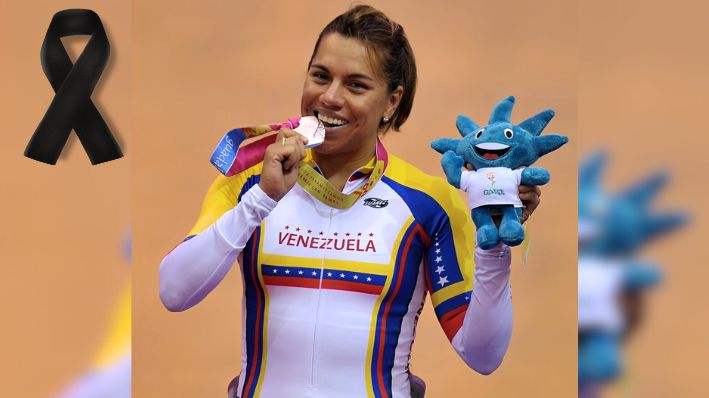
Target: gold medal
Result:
[320, 188]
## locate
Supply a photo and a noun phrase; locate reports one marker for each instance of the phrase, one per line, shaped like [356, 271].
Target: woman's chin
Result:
[329, 146]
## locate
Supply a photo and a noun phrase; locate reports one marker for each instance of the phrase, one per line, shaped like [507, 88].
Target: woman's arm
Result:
[484, 337]
[475, 309]
[197, 265]
[232, 209]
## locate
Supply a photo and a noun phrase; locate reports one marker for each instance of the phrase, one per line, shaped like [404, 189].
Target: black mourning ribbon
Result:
[73, 84]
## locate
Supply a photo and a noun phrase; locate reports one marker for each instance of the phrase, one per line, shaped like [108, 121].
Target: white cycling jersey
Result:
[332, 297]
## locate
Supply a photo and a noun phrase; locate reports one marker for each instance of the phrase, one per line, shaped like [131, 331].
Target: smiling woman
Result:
[336, 268]
[351, 99]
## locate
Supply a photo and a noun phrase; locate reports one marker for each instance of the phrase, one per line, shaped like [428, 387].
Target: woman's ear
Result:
[394, 100]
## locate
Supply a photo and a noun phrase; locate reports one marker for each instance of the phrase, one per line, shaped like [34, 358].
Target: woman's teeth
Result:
[332, 121]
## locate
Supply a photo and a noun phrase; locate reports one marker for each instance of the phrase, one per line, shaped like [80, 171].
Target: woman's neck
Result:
[337, 168]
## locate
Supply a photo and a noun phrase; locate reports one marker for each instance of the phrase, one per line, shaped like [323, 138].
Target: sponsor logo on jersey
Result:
[376, 203]
[487, 192]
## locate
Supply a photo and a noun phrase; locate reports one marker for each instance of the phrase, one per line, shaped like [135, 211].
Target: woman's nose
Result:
[332, 96]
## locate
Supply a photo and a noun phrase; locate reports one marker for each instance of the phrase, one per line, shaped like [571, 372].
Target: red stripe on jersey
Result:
[290, 281]
[382, 333]
[453, 320]
[351, 286]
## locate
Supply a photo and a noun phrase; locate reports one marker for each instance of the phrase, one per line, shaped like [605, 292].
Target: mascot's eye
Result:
[509, 134]
[479, 133]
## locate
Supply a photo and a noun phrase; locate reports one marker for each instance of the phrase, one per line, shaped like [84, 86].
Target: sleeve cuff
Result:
[259, 196]
[498, 251]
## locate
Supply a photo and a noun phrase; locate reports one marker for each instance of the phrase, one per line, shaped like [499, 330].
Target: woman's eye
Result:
[509, 133]
[319, 75]
[358, 86]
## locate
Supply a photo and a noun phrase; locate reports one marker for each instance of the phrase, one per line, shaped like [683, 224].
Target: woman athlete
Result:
[336, 268]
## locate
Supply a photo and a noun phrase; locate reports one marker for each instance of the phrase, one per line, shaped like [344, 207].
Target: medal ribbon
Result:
[320, 188]
[73, 84]
[230, 160]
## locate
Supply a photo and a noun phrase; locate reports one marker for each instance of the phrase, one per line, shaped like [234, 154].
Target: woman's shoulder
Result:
[410, 177]
[235, 186]
[407, 174]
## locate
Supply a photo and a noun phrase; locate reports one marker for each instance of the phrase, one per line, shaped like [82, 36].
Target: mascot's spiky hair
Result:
[620, 224]
[501, 143]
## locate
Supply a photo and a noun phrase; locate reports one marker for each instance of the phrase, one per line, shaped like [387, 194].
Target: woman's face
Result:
[348, 93]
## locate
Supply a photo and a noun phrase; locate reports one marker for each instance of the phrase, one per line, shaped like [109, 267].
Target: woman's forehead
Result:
[349, 56]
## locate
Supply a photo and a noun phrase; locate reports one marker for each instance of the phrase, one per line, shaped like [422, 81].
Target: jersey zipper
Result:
[317, 307]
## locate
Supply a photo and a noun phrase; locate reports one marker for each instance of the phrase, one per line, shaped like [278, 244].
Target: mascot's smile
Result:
[491, 150]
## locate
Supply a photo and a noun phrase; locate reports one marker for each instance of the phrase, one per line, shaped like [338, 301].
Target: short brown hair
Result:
[387, 42]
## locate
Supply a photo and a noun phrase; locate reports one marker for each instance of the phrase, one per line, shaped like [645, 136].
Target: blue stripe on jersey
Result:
[250, 182]
[255, 302]
[334, 274]
[453, 303]
[394, 307]
[434, 220]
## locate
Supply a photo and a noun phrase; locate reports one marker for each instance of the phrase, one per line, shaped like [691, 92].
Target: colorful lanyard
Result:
[230, 160]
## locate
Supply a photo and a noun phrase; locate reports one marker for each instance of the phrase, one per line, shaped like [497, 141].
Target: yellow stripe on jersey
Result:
[290, 261]
[316, 263]
[453, 290]
[222, 196]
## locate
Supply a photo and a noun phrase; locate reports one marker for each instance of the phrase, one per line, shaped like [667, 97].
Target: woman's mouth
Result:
[331, 122]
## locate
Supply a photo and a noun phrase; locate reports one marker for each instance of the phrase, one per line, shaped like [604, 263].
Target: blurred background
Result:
[627, 77]
[65, 273]
[201, 69]
[641, 86]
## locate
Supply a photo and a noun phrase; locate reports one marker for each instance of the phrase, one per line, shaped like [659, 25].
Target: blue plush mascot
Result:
[500, 154]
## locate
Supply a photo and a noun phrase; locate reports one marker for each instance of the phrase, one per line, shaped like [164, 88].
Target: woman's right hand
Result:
[280, 163]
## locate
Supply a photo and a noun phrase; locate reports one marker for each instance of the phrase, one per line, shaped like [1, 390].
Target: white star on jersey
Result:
[440, 269]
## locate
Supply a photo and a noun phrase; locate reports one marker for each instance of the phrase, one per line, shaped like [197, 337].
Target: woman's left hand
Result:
[529, 194]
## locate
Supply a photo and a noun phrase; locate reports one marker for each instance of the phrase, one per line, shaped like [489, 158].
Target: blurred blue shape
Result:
[599, 356]
[620, 224]
[612, 228]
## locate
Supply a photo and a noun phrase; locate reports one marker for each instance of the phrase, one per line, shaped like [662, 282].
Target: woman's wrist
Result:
[500, 250]
[270, 193]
